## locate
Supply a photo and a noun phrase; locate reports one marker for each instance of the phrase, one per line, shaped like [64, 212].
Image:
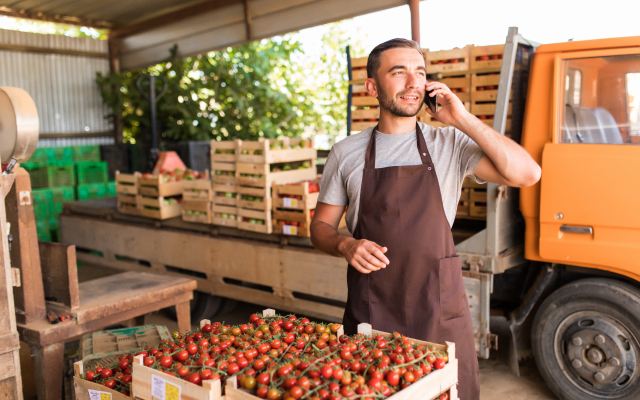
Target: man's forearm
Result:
[327, 239]
[511, 159]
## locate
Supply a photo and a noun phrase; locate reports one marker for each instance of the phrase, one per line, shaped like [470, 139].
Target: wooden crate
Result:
[487, 58]
[219, 195]
[223, 151]
[86, 390]
[360, 126]
[200, 206]
[147, 381]
[265, 216]
[127, 183]
[448, 61]
[197, 189]
[302, 218]
[223, 172]
[360, 114]
[488, 109]
[263, 193]
[155, 187]
[364, 101]
[473, 200]
[154, 207]
[359, 69]
[262, 152]
[308, 200]
[484, 87]
[460, 85]
[259, 175]
[224, 209]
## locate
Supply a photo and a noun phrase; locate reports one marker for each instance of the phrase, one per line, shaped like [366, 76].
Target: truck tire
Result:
[203, 306]
[585, 340]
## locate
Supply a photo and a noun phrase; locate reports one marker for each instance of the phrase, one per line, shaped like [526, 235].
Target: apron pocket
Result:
[452, 293]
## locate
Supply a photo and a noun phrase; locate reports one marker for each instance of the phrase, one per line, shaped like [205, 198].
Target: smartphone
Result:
[431, 102]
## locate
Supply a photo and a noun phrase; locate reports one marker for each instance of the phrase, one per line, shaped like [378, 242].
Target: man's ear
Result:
[371, 87]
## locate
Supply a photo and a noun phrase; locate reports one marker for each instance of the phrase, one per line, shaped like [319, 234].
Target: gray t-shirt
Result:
[454, 154]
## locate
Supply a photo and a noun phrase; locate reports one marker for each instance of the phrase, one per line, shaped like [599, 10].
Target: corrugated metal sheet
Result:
[75, 142]
[63, 87]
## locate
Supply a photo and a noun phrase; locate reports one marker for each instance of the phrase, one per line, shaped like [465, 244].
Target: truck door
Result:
[590, 190]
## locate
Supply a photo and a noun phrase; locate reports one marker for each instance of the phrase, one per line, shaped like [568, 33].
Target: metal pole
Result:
[154, 128]
[350, 93]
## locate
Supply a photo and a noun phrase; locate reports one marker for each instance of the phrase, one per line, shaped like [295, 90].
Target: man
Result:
[401, 182]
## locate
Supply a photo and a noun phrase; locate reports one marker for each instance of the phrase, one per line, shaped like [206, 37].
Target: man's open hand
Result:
[451, 108]
[364, 255]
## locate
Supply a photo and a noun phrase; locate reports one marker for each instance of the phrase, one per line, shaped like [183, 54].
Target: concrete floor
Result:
[496, 380]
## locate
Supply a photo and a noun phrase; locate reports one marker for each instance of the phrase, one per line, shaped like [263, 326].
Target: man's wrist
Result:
[342, 244]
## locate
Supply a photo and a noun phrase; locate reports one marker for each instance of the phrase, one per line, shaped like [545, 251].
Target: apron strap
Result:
[370, 155]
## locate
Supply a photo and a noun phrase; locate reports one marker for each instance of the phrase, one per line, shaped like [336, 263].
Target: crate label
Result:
[97, 395]
[164, 390]
[290, 230]
[289, 202]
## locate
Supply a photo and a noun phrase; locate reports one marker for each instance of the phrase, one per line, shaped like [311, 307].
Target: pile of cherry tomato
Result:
[284, 358]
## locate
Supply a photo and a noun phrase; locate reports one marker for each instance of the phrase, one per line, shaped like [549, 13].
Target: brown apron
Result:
[420, 293]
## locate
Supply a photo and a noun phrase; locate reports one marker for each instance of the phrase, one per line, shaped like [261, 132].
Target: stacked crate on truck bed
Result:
[260, 165]
[223, 178]
[197, 197]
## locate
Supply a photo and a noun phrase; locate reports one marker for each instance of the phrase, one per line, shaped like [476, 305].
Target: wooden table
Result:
[103, 302]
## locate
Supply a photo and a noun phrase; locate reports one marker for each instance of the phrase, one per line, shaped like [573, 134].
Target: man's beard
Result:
[392, 106]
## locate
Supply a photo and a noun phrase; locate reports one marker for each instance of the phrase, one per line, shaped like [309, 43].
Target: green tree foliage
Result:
[267, 88]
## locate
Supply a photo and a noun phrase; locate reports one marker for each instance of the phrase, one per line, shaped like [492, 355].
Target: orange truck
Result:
[562, 257]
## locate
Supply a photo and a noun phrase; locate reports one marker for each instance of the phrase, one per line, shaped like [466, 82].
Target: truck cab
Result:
[582, 125]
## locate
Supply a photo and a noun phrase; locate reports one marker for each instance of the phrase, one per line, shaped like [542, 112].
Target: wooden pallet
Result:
[200, 206]
[487, 58]
[263, 152]
[86, 390]
[224, 209]
[223, 151]
[220, 195]
[247, 214]
[223, 173]
[448, 61]
[198, 189]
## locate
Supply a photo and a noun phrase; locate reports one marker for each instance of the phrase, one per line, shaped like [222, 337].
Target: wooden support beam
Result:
[164, 19]
[247, 19]
[75, 135]
[60, 273]
[9, 12]
[414, 6]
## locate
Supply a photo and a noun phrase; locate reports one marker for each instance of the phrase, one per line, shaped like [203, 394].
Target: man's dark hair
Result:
[373, 63]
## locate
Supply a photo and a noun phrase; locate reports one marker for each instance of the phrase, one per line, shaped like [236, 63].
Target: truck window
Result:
[601, 100]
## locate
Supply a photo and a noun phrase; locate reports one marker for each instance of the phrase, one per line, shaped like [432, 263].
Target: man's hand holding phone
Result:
[450, 109]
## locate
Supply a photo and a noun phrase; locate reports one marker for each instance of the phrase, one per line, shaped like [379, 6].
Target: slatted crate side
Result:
[433, 384]
[197, 189]
[155, 186]
[154, 207]
[365, 114]
[223, 172]
[365, 101]
[263, 194]
[219, 211]
[478, 203]
[225, 195]
[200, 207]
[360, 126]
[459, 85]
[486, 108]
[130, 209]
[264, 216]
[282, 222]
[484, 87]
[448, 61]
[308, 201]
[486, 58]
[223, 151]
[271, 151]
[127, 183]
[83, 387]
[259, 175]
[144, 378]
[359, 89]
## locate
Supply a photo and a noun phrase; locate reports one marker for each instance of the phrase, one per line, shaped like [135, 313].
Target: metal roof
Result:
[143, 31]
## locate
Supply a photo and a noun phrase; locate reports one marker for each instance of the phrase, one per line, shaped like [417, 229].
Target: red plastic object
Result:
[167, 161]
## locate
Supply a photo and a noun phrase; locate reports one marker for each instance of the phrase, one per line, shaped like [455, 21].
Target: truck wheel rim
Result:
[598, 354]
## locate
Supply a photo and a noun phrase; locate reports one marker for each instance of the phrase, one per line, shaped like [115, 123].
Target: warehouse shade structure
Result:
[143, 31]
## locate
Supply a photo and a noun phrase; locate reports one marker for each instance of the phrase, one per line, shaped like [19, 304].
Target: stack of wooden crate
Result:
[260, 165]
[224, 188]
[127, 193]
[473, 200]
[366, 110]
[158, 197]
[197, 197]
[486, 62]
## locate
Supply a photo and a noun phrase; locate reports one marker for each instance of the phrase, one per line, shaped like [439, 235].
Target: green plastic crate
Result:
[111, 189]
[92, 172]
[42, 228]
[53, 176]
[45, 210]
[92, 191]
[40, 196]
[59, 156]
[54, 223]
[37, 159]
[56, 194]
[86, 153]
